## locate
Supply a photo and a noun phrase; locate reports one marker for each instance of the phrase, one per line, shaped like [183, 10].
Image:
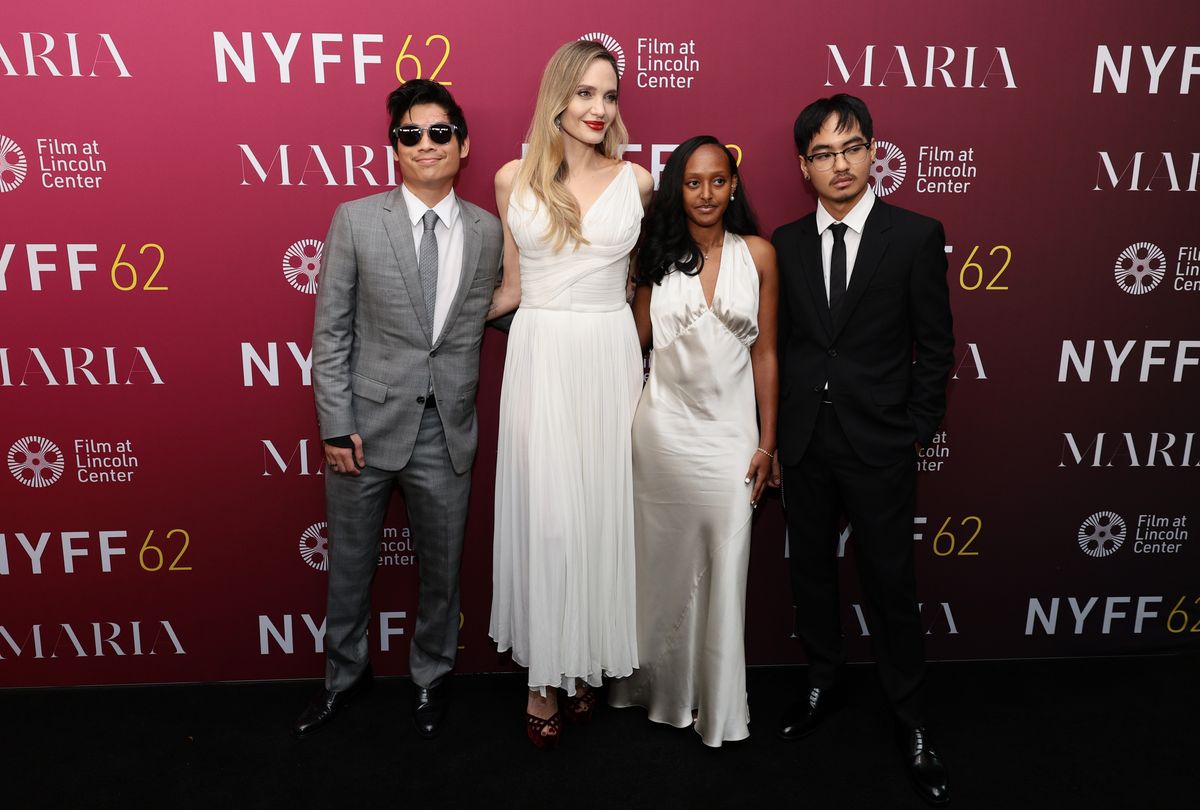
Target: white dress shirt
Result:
[449, 234]
[856, 220]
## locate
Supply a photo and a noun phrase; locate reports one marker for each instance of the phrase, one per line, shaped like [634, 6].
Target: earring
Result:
[732, 196]
[558, 122]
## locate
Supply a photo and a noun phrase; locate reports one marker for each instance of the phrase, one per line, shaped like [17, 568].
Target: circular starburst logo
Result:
[35, 462]
[1101, 534]
[13, 166]
[302, 264]
[1140, 268]
[888, 168]
[612, 45]
[314, 546]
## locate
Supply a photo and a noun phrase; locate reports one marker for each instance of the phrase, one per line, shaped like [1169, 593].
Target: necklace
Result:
[711, 248]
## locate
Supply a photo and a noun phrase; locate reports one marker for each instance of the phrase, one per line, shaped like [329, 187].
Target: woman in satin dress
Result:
[703, 441]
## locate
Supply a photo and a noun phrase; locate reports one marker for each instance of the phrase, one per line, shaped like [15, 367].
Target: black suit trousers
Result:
[879, 501]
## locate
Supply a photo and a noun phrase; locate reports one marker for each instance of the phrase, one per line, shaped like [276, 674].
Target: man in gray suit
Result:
[406, 282]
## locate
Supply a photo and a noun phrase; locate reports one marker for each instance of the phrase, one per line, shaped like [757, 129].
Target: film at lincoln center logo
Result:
[13, 165]
[613, 47]
[302, 264]
[314, 546]
[1101, 534]
[35, 462]
[888, 168]
[1140, 268]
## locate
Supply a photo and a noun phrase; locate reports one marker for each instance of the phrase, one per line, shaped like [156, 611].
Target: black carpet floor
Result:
[1090, 733]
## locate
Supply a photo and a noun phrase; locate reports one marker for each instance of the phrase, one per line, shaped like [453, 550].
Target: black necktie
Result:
[837, 269]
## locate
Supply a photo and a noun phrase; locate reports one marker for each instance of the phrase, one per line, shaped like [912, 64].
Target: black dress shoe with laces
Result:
[325, 706]
[807, 714]
[429, 710]
[925, 768]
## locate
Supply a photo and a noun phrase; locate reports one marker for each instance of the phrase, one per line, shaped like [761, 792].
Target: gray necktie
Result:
[427, 265]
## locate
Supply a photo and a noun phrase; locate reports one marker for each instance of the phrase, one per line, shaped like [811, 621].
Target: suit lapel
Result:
[472, 245]
[814, 273]
[871, 249]
[399, 232]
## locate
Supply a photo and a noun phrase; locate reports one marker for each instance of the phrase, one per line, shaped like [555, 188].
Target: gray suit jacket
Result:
[372, 352]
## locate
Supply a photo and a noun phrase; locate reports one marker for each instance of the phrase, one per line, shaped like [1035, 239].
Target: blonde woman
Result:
[563, 578]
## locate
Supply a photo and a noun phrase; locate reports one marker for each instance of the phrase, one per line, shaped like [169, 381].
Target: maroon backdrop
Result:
[166, 179]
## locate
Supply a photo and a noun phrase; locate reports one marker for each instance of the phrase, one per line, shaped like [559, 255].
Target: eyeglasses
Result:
[823, 161]
[411, 134]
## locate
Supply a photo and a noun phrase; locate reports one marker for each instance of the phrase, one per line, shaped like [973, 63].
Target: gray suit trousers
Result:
[436, 497]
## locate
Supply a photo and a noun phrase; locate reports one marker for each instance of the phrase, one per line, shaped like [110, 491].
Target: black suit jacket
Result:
[887, 358]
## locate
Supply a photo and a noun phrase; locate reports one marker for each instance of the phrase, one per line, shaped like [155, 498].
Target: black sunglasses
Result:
[410, 134]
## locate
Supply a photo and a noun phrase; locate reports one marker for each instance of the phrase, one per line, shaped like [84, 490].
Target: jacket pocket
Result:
[367, 388]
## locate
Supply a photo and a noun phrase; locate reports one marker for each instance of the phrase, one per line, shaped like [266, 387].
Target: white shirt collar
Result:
[856, 219]
[447, 208]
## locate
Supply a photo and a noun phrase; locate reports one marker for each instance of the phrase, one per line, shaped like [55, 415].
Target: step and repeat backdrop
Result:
[167, 177]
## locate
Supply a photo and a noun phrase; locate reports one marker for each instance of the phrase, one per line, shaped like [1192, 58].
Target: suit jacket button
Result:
[420, 400]
[433, 353]
[833, 352]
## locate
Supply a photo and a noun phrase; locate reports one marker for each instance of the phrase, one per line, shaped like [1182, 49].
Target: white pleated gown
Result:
[563, 575]
[694, 435]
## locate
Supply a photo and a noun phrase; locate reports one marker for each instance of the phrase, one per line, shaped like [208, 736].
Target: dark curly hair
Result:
[667, 244]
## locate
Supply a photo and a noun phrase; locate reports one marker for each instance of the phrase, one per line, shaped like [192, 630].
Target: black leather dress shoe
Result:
[925, 767]
[807, 714]
[429, 709]
[327, 704]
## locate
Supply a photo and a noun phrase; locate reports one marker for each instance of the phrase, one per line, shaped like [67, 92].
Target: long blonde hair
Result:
[544, 169]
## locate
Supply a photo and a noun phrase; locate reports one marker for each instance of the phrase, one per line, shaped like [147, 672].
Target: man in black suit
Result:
[866, 347]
